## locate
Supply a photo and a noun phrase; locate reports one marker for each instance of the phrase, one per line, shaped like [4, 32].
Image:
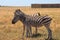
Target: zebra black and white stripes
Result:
[40, 20]
[29, 21]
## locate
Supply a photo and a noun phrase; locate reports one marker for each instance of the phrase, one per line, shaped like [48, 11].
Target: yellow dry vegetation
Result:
[8, 31]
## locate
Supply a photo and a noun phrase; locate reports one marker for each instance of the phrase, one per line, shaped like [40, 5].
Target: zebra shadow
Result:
[39, 35]
[36, 35]
[51, 39]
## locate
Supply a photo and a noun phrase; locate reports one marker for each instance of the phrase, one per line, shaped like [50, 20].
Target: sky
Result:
[27, 2]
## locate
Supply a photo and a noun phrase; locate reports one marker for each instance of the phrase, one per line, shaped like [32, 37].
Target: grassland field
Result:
[8, 31]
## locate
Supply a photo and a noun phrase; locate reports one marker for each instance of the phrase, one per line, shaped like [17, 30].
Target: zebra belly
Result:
[36, 24]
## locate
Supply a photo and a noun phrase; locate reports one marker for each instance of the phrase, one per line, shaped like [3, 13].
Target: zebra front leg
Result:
[23, 30]
[30, 31]
[27, 31]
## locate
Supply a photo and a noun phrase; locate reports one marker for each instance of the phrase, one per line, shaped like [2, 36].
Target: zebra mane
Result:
[19, 12]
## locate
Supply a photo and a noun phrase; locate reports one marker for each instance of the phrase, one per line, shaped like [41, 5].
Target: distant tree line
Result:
[45, 5]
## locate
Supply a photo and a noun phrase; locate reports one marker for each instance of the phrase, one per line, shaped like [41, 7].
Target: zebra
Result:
[36, 21]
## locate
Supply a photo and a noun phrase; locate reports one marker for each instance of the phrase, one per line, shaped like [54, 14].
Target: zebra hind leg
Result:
[36, 30]
[49, 32]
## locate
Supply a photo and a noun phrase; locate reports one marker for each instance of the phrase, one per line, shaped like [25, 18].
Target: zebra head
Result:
[18, 15]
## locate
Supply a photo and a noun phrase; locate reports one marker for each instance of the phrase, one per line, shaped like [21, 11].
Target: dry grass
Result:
[8, 31]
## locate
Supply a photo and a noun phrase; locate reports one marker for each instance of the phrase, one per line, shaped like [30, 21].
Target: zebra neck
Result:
[23, 18]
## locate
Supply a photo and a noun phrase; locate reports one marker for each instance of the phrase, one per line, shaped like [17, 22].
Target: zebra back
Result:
[38, 20]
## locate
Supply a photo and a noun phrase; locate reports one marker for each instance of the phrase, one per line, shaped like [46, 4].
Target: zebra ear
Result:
[17, 12]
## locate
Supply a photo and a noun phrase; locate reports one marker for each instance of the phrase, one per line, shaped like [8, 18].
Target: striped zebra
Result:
[35, 21]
